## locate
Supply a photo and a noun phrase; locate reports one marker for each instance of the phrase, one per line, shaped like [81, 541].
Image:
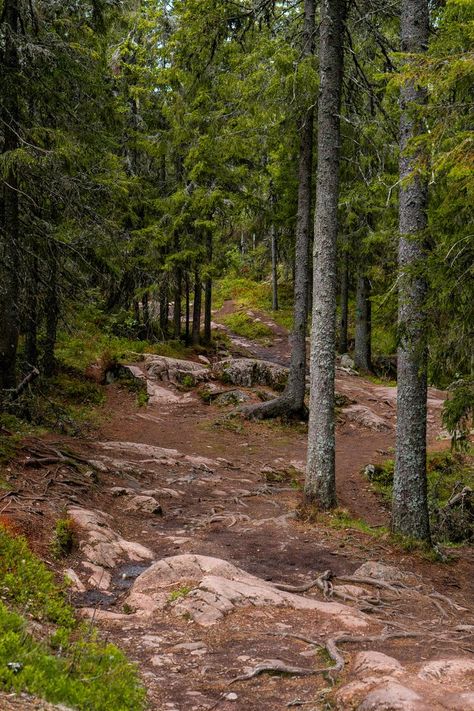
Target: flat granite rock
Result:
[217, 588]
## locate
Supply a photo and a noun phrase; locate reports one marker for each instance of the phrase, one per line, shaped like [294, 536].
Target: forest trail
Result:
[179, 478]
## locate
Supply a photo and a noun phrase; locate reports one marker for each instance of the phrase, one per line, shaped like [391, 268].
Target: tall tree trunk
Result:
[320, 484]
[164, 307]
[188, 314]
[208, 292]
[292, 399]
[146, 315]
[9, 244]
[344, 303]
[363, 333]
[31, 325]
[197, 308]
[178, 279]
[410, 508]
[274, 247]
[51, 312]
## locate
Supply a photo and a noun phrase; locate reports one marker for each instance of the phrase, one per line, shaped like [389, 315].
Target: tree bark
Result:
[187, 329]
[9, 244]
[344, 303]
[208, 293]
[410, 507]
[146, 315]
[320, 484]
[178, 279]
[164, 308]
[51, 312]
[31, 325]
[291, 401]
[274, 245]
[197, 308]
[363, 333]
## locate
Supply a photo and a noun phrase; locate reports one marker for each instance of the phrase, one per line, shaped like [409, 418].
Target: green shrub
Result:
[71, 666]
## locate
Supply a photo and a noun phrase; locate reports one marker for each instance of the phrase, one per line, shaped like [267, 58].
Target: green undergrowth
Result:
[243, 325]
[93, 335]
[45, 651]
[250, 294]
[448, 472]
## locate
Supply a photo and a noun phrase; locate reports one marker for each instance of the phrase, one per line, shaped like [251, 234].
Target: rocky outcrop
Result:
[248, 372]
[174, 370]
[361, 415]
[209, 588]
[100, 544]
[382, 683]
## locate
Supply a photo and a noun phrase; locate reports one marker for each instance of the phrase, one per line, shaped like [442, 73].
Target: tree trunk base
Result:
[282, 406]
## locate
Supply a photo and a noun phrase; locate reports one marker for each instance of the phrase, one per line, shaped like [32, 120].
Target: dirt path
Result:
[229, 490]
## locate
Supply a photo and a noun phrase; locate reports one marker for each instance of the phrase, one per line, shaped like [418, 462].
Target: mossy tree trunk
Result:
[320, 484]
[410, 507]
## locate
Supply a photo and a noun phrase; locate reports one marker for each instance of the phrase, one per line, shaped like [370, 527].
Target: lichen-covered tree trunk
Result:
[178, 280]
[344, 304]
[10, 229]
[208, 292]
[196, 332]
[320, 484]
[274, 248]
[410, 508]
[363, 332]
[51, 309]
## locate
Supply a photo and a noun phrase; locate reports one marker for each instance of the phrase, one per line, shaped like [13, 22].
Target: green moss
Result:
[179, 593]
[71, 666]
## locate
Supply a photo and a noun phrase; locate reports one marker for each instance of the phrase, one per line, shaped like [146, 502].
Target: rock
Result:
[448, 670]
[231, 696]
[161, 396]
[101, 545]
[346, 361]
[76, 583]
[375, 662]
[174, 370]
[120, 491]
[380, 571]
[231, 397]
[392, 696]
[366, 417]
[100, 578]
[217, 588]
[189, 646]
[248, 372]
[459, 702]
[132, 371]
[152, 455]
[204, 360]
[144, 504]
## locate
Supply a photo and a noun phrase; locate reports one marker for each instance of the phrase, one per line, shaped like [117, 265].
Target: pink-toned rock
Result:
[143, 504]
[448, 670]
[376, 663]
[218, 587]
[76, 582]
[100, 578]
[392, 696]
[100, 544]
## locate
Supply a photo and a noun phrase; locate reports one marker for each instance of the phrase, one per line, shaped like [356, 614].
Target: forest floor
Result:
[229, 489]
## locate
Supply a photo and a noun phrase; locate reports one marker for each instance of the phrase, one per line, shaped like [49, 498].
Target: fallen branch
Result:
[32, 375]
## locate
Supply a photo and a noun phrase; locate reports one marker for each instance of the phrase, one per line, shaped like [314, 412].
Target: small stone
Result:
[231, 696]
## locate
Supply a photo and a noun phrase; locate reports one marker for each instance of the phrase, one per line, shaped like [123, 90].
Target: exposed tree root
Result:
[276, 667]
[282, 406]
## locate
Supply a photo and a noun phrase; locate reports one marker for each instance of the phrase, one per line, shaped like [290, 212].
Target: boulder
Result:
[380, 571]
[175, 370]
[392, 696]
[100, 544]
[143, 504]
[346, 361]
[215, 588]
[232, 397]
[248, 372]
[371, 662]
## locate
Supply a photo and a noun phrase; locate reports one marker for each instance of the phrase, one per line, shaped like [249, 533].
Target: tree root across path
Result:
[276, 666]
